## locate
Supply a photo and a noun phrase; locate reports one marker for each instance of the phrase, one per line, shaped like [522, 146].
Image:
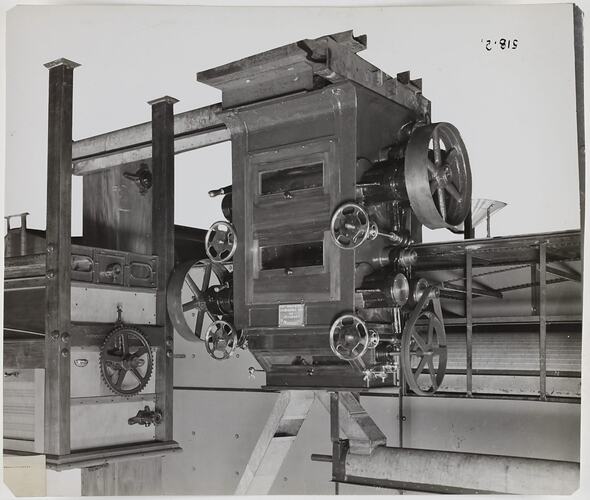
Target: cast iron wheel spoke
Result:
[432, 371]
[189, 306]
[113, 358]
[452, 190]
[193, 286]
[420, 341]
[206, 277]
[441, 203]
[433, 186]
[430, 331]
[141, 351]
[124, 343]
[138, 375]
[421, 366]
[120, 377]
[199, 323]
[436, 148]
[437, 351]
[432, 168]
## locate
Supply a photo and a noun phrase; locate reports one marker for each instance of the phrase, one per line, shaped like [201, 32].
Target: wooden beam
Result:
[57, 295]
[274, 443]
[163, 247]
[192, 129]
[354, 422]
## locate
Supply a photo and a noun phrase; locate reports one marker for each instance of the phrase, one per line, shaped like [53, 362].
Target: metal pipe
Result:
[454, 471]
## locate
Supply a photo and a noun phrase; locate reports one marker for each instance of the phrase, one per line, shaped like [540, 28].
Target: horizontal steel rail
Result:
[192, 130]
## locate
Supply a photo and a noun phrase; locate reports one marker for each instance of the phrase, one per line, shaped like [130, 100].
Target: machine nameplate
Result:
[291, 315]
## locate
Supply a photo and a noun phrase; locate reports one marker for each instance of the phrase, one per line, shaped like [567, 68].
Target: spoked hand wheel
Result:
[221, 241]
[186, 296]
[438, 176]
[424, 353]
[349, 337]
[221, 340]
[350, 226]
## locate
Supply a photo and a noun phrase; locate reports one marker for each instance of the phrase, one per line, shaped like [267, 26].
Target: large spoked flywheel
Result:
[438, 176]
[424, 353]
[188, 294]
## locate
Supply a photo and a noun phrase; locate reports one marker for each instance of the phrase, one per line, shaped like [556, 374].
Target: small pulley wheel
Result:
[350, 225]
[186, 296]
[349, 337]
[424, 352]
[221, 242]
[221, 340]
[438, 176]
[126, 361]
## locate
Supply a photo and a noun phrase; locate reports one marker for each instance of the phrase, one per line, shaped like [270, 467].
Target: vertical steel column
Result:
[400, 407]
[335, 438]
[58, 239]
[163, 247]
[580, 116]
[468, 230]
[543, 319]
[535, 289]
[469, 320]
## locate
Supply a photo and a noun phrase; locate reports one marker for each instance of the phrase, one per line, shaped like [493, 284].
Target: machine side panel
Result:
[309, 140]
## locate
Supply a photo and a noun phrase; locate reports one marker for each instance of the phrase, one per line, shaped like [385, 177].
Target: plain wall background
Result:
[515, 110]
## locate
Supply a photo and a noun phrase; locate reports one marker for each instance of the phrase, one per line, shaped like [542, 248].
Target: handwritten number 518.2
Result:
[502, 43]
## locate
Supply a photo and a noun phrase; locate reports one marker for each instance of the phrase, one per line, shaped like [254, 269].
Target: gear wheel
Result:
[126, 361]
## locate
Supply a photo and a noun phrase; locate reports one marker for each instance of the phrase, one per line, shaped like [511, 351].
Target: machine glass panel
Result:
[292, 179]
[295, 255]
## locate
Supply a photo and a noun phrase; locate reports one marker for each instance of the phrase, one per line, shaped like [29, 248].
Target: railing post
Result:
[543, 320]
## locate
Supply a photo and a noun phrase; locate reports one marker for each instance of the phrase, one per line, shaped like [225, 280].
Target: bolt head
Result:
[169, 353]
[54, 335]
[65, 337]
[65, 352]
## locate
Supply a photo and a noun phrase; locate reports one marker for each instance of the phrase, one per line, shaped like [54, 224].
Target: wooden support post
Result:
[543, 320]
[349, 417]
[281, 429]
[469, 320]
[57, 294]
[163, 247]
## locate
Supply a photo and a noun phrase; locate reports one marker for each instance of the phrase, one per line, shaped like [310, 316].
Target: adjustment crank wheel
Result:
[438, 176]
[424, 353]
[349, 337]
[186, 300]
[221, 242]
[126, 361]
[350, 226]
[221, 340]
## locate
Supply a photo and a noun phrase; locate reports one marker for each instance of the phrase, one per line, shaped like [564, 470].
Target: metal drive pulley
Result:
[438, 176]
[200, 306]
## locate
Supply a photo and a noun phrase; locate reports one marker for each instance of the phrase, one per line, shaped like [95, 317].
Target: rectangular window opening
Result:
[291, 256]
[292, 179]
